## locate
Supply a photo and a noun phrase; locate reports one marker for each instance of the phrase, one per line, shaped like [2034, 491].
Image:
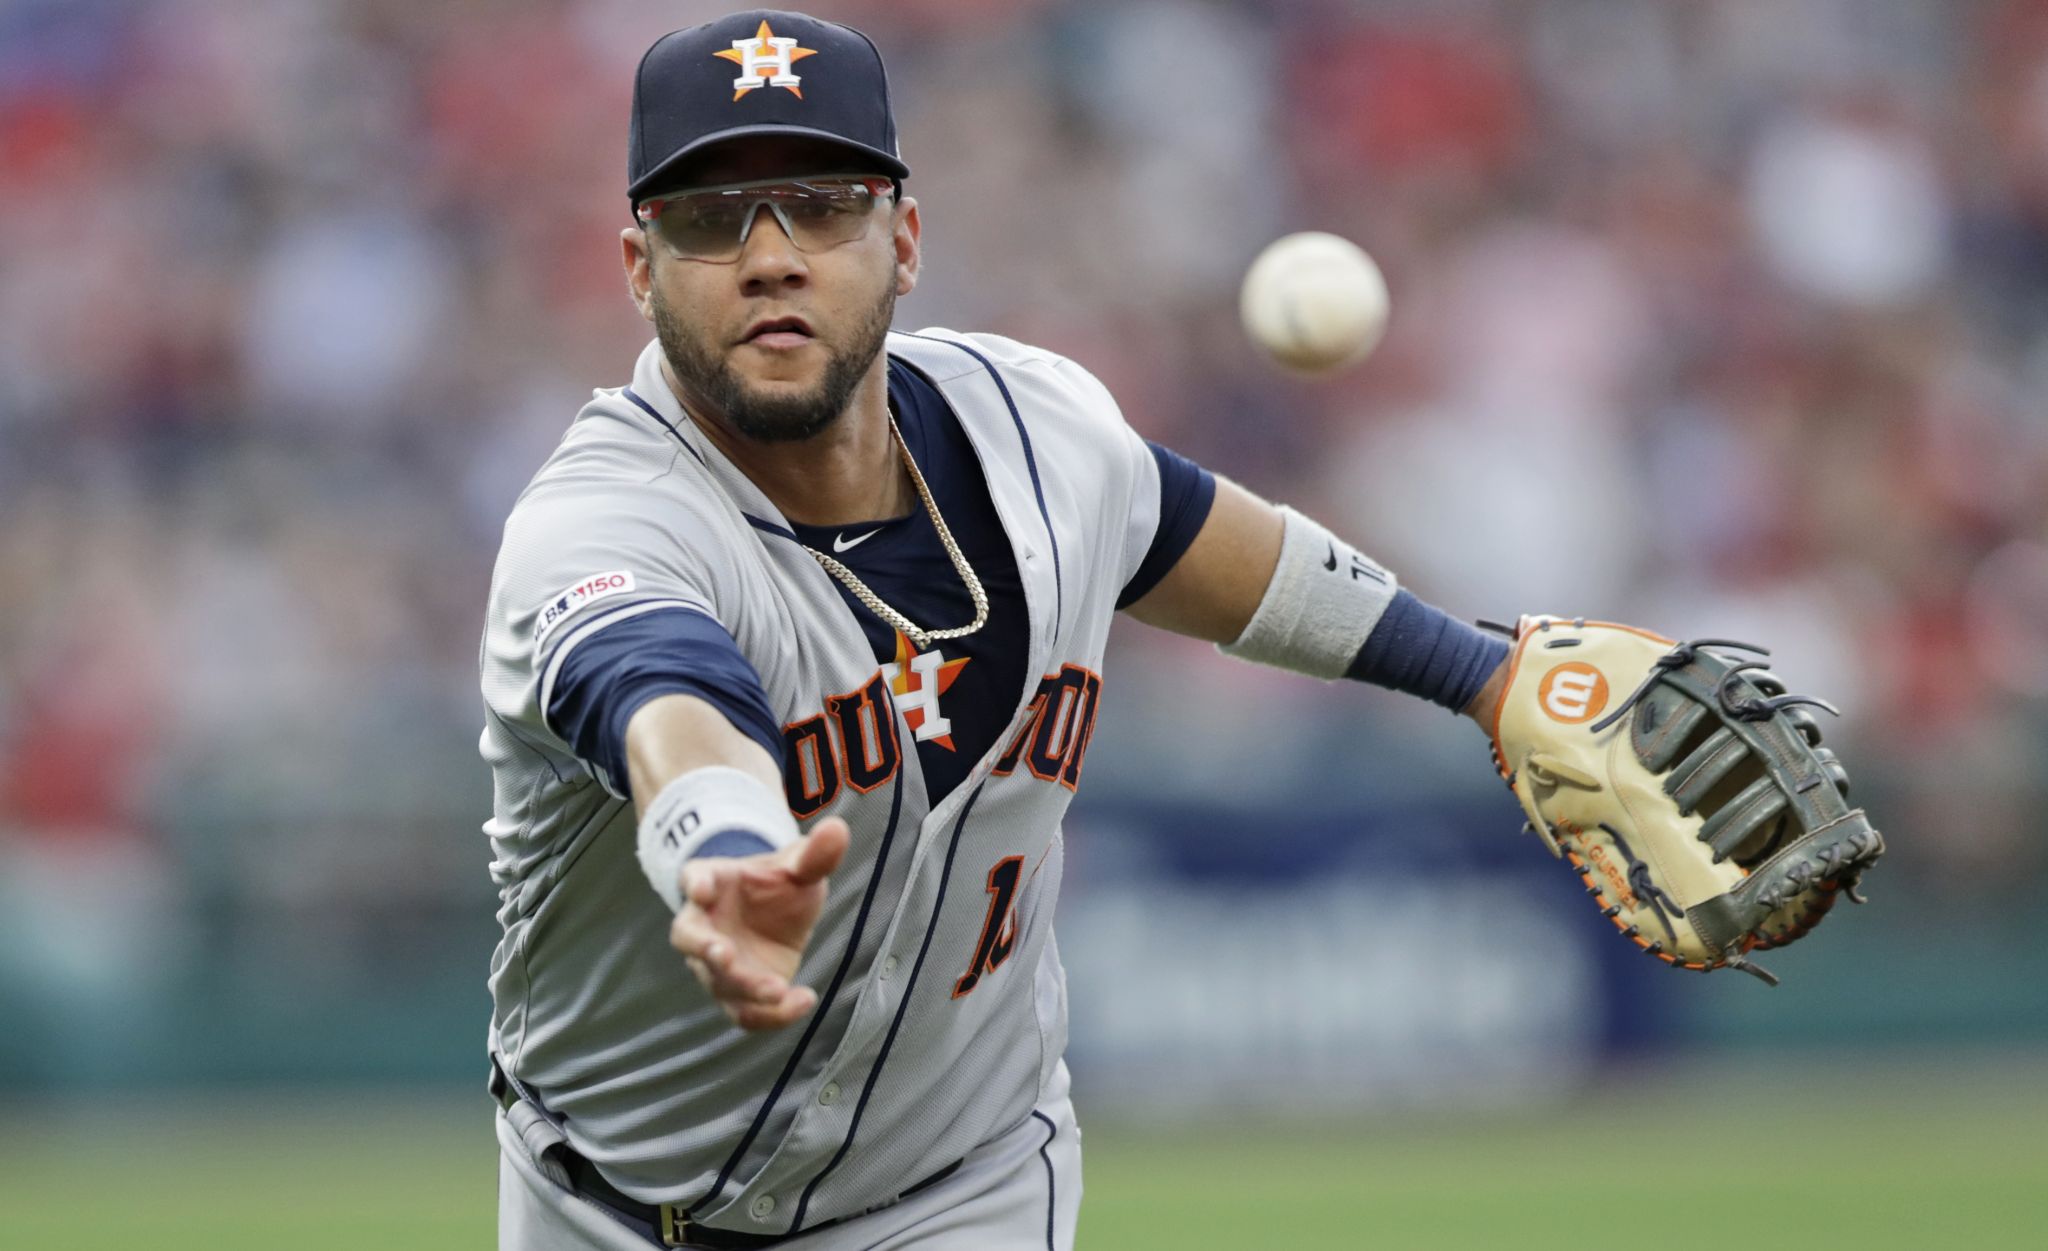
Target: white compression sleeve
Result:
[1324, 599]
[704, 805]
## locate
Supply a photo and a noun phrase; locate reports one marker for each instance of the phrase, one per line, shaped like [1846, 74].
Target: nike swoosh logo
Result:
[1331, 563]
[840, 543]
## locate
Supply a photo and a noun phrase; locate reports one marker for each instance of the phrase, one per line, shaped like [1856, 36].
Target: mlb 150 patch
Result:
[573, 597]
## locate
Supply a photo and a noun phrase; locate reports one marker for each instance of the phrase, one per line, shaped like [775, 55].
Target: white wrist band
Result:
[1324, 599]
[699, 806]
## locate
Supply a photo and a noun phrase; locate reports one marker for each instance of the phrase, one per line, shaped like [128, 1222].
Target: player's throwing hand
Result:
[746, 919]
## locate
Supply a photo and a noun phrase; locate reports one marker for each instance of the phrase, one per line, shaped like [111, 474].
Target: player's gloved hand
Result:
[1686, 786]
[745, 922]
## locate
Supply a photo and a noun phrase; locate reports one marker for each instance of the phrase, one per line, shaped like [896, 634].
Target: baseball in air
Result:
[1315, 302]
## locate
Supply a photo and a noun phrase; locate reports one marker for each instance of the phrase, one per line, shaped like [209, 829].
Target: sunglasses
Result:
[712, 223]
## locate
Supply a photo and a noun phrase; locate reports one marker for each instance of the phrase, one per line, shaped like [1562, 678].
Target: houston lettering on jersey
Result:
[1054, 739]
[853, 742]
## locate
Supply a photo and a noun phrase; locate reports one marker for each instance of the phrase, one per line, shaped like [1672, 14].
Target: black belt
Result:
[667, 1224]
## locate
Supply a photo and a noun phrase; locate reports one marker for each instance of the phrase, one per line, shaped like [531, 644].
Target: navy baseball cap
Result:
[762, 72]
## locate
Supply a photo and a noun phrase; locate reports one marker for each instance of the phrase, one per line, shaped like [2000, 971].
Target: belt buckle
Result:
[675, 1226]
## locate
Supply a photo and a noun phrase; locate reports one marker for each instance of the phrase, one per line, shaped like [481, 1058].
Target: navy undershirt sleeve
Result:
[1186, 493]
[1425, 651]
[734, 843]
[611, 674]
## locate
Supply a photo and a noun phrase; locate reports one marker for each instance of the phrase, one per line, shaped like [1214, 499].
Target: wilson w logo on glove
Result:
[1701, 811]
[1573, 692]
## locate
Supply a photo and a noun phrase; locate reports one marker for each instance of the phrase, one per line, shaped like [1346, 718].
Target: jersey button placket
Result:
[762, 1207]
[830, 1094]
[888, 968]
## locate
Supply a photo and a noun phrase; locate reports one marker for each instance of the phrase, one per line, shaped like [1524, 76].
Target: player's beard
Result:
[708, 373]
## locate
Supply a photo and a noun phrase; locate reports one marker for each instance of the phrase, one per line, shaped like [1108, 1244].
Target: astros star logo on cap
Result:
[765, 51]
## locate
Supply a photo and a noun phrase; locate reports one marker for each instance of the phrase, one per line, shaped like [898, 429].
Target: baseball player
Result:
[792, 665]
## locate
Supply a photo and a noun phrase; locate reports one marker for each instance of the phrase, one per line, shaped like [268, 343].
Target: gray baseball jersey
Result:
[942, 1004]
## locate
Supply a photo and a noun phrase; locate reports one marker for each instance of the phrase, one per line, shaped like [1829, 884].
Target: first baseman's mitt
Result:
[1687, 788]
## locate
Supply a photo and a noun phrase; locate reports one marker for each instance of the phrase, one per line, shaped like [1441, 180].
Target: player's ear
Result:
[909, 257]
[639, 262]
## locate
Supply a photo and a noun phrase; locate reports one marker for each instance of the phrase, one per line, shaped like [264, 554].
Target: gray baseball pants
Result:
[1019, 1192]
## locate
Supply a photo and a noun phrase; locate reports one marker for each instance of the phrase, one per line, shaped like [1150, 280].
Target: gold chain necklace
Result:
[866, 595]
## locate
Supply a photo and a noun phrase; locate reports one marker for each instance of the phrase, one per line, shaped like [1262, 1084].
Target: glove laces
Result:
[1762, 707]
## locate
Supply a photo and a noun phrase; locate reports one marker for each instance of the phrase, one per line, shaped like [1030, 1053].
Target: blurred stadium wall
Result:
[1729, 317]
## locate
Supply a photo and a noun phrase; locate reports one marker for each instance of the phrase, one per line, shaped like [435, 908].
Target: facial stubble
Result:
[706, 371]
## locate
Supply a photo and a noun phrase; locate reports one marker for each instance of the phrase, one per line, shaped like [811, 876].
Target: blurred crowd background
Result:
[1726, 317]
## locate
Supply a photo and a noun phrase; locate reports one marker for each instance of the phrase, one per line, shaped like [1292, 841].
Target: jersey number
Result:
[999, 931]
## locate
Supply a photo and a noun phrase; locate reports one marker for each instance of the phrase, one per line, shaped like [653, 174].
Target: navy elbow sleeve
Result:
[1186, 493]
[612, 674]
